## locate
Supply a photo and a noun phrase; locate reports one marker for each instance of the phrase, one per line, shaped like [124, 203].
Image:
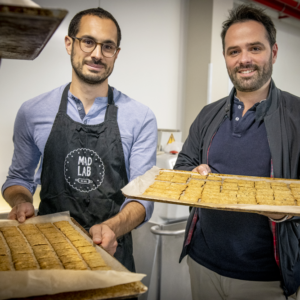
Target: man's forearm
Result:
[132, 215]
[17, 194]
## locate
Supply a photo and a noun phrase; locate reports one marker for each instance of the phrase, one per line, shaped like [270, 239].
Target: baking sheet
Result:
[15, 284]
[137, 187]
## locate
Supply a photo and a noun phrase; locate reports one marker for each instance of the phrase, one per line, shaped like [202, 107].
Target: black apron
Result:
[84, 170]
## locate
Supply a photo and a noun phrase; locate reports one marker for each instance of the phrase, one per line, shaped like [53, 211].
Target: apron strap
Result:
[112, 109]
[64, 100]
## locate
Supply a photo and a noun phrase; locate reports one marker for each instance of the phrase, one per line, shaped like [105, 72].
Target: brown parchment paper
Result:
[15, 284]
[137, 187]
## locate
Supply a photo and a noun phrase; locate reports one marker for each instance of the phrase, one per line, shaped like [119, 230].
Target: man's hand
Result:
[104, 236]
[202, 169]
[21, 212]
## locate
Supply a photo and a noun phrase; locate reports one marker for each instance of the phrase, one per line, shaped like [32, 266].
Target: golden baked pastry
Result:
[47, 246]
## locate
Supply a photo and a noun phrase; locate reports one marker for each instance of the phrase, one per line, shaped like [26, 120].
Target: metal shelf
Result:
[24, 31]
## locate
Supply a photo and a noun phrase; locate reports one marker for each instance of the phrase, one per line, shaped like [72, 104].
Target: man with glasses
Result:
[91, 141]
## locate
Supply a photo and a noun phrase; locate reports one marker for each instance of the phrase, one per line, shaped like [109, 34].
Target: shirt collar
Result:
[261, 108]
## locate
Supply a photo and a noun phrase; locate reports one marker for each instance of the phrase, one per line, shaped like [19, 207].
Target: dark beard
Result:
[90, 79]
[252, 84]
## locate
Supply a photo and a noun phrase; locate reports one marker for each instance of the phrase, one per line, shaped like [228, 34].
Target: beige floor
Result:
[5, 208]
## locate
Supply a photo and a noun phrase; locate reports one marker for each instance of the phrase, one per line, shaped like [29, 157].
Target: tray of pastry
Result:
[218, 191]
[56, 248]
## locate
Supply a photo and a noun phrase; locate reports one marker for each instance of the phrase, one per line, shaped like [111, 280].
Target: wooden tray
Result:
[250, 208]
[24, 31]
[124, 291]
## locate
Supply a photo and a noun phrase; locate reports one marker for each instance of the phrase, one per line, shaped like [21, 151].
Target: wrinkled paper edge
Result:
[14, 284]
[138, 186]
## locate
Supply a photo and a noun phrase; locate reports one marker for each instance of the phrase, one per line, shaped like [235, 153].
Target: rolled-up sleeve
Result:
[26, 155]
[143, 157]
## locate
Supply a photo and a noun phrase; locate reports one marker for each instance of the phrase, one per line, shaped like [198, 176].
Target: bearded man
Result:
[91, 141]
[254, 131]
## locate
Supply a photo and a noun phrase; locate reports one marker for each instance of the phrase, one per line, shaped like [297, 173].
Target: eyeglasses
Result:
[88, 45]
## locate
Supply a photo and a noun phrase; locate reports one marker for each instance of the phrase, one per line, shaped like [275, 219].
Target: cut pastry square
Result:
[66, 252]
[265, 202]
[45, 225]
[50, 266]
[213, 183]
[63, 224]
[8, 228]
[280, 188]
[264, 192]
[70, 259]
[93, 263]
[174, 196]
[16, 241]
[49, 260]
[62, 239]
[197, 183]
[212, 178]
[62, 246]
[246, 200]
[160, 185]
[177, 187]
[4, 259]
[5, 266]
[3, 251]
[20, 249]
[198, 176]
[166, 176]
[283, 203]
[262, 185]
[295, 185]
[179, 179]
[75, 266]
[81, 243]
[87, 249]
[51, 236]
[44, 255]
[276, 183]
[11, 233]
[188, 198]
[230, 180]
[26, 265]
[91, 256]
[21, 257]
[245, 183]
[229, 193]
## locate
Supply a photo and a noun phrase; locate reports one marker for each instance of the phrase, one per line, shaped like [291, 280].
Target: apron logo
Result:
[84, 170]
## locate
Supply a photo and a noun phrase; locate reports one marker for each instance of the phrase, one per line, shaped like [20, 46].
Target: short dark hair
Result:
[244, 13]
[99, 12]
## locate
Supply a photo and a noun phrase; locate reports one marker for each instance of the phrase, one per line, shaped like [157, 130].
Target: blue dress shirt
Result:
[34, 121]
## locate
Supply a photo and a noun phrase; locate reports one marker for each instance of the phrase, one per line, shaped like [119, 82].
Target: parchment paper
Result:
[138, 186]
[15, 284]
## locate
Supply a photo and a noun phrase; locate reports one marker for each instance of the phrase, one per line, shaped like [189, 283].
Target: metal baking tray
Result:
[141, 183]
[24, 31]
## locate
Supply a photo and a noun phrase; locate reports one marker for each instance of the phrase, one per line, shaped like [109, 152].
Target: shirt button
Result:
[79, 108]
[240, 106]
[237, 118]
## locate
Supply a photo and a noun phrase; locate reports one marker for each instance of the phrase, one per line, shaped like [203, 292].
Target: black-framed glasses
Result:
[88, 45]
